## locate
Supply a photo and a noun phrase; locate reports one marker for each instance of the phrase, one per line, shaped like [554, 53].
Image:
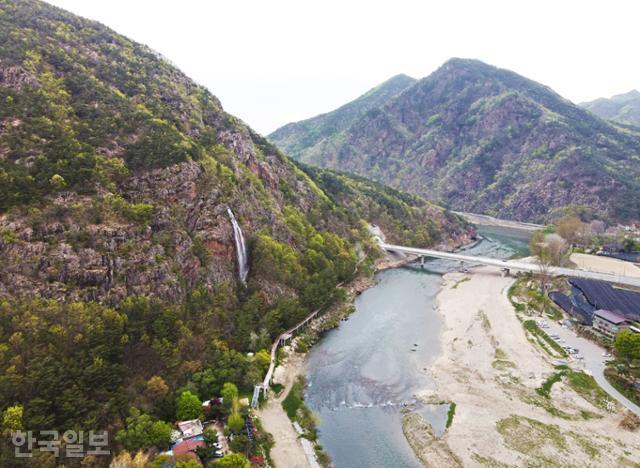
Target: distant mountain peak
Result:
[633, 94]
[400, 77]
[340, 119]
[461, 61]
[483, 139]
[622, 108]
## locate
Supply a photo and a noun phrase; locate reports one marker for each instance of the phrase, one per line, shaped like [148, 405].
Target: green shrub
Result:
[450, 414]
[293, 400]
[140, 213]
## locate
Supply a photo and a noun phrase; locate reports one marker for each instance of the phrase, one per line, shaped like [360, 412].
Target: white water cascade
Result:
[241, 248]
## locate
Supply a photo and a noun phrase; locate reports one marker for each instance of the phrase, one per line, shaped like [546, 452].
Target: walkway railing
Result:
[264, 386]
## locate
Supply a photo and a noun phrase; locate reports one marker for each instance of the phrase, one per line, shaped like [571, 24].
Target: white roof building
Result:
[191, 428]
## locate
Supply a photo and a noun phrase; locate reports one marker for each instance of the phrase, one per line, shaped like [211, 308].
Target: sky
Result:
[278, 61]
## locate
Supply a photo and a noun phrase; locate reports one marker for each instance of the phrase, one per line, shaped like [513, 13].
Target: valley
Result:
[444, 271]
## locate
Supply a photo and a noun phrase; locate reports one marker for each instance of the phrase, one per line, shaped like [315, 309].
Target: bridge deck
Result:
[514, 265]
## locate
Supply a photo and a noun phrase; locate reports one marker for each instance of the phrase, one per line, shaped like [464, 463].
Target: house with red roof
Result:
[187, 449]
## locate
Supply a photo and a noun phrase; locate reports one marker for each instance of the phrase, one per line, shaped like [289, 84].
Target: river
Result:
[360, 374]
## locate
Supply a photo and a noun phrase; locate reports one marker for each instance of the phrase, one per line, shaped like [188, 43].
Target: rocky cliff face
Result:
[487, 140]
[117, 171]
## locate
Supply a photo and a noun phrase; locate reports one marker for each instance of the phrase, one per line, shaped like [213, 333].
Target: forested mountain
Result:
[486, 140]
[622, 108]
[321, 135]
[118, 279]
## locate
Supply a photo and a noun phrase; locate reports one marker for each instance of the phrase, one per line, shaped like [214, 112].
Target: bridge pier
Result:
[421, 261]
[255, 401]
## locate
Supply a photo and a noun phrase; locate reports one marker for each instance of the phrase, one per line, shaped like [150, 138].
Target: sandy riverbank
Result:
[605, 265]
[487, 220]
[287, 451]
[490, 370]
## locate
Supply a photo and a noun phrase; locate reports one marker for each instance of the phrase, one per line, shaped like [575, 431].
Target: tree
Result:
[570, 228]
[240, 444]
[142, 432]
[188, 464]
[12, 419]
[627, 345]
[555, 250]
[230, 396]
[126, 460]
[235, 423]
[157, 388]
[229, 392]
[188, 406]
[629, 245]
[233, 460]
[598, 227]
[550, 250]
[263, 359]
[57, 182]
[160, 433]
[259, 341]
[205, 453]
[210, 437]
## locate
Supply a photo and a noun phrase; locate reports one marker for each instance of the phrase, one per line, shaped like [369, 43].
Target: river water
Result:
[360, 374]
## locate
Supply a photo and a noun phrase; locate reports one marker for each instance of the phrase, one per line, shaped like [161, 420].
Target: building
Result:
[187, 449]
[191, 428]
[609, 323]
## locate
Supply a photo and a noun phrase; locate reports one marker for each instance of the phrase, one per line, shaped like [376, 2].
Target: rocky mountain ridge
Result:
[482, 139]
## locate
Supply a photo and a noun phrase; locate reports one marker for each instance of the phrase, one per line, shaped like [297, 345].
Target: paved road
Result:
[513, 264]
[593, 360]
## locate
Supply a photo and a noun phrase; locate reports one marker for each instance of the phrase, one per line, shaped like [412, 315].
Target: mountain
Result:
[119, 285]
[321, 135]
[486, 140]
[622, 108]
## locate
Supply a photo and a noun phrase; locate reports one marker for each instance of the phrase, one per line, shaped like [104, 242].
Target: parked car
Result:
[218, 454]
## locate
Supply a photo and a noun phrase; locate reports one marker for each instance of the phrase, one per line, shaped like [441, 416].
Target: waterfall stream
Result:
[241, 248]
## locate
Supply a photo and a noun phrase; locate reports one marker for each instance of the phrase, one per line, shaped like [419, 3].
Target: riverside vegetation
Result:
[119, 293]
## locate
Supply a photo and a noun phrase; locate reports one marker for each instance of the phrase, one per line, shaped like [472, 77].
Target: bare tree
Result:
[570, 228]
[550, 250]
[556, 249]
[598, 227]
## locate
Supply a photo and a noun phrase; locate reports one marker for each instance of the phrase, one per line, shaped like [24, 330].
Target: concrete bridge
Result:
[515, 265]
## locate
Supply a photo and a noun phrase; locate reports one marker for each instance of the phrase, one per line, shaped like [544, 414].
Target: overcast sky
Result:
[277, 61]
